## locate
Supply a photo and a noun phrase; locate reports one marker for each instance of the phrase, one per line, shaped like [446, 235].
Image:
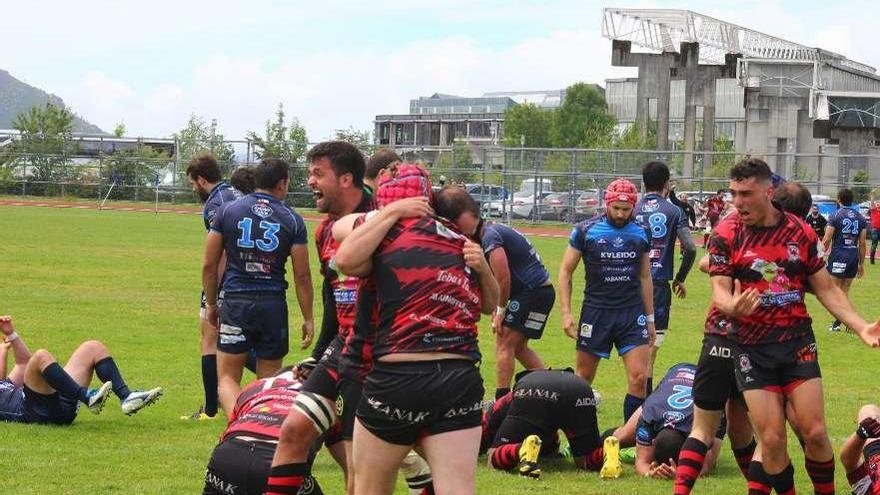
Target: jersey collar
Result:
[219, 187]
[265, 196]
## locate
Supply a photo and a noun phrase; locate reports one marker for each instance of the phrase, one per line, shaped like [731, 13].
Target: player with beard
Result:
[761, 262]
[204, 176]
[618, 304]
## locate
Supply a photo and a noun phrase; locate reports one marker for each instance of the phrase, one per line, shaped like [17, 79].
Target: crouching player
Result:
[38, 390]
[523, 425]
[860, 454]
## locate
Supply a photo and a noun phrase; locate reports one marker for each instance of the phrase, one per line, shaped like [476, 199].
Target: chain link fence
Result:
[512, 184]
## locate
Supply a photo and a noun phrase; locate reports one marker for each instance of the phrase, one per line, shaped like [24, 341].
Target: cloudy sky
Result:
[337, 64]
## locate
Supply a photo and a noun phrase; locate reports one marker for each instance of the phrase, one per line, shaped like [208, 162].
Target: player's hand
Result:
[308, 332]
[474, 258]
[498, 324]
[679, 289]
[870, 334]
[212, 316]
[652, 333]
[6, 325]
[868, 428]
[4, 347]
[665, 471]
[744, 303]
[418, 206]
[568, 326]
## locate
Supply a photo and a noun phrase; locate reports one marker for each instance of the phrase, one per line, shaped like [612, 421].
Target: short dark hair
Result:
[793, 198]
[655, 175]
[382, 158]
[451, 201]
[204, 165]
[344, 158]
[269, 172]
[244, 179]
[748, 168]
[667, 445]
[845, 196]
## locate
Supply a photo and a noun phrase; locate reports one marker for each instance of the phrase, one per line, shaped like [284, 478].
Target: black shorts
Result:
[403, 402]
[662, 303]
[778, 367]
[527, 311]
[254, 321]
[715, 380]
[534, 411]
[329, 382]
[52, 409]
[238, 467]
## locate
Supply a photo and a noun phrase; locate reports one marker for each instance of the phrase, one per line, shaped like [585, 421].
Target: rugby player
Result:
[243, 179]
[336, 177]
[256, 233]
[860, 454]
[432, 283]
[715, 207]
[523, 425]
[203, 174]
[618, 305]
[665, 222]
[816, 221]
[377, 166]
[761, 261]
[845, 244]
[874, 217]
[38, 390]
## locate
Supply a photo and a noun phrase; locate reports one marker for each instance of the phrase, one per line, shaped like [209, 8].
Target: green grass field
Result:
[132, 280]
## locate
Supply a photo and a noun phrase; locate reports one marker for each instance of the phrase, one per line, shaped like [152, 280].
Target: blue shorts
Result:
[599, 328]
[843, 265]
[528, 310]
[662, 303]
[52, 409]
[254, 321]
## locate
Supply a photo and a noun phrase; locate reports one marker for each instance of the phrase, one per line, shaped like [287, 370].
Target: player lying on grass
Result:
[38, 390]
[860, 454]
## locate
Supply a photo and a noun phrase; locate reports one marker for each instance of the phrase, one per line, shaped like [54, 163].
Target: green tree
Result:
[529, 122]
[631, 138]
[457, 165]
[287, 142]
[45, 133]
[197, 136]
[583, 119]
[361, 139]
[119, 130]
[860, 188]
[133, 168]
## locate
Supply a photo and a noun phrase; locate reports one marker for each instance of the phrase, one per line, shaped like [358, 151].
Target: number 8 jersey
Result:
[258, 232]
[663, 220]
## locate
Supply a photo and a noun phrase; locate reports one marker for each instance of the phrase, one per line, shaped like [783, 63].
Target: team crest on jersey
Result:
[262, 210]
[672, 418]
[651, 205]
[745, 365]
[513, 307]
[601, 241]
[617, 242]
[642, 321]
[340, 405]
[794, 252]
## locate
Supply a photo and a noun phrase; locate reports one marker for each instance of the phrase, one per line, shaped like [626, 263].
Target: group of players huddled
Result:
[393, 383]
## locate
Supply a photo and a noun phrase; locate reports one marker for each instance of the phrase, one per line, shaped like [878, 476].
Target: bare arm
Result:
[210, 269]
[498, 263]
[644, 459]
[862, 250]
[647, 284]
[826, 241]
[839, 305]
[704, 263]
[4, 355]
[344, 226]
[688, 255]
[19, 350]
[473, 258]
[727, 297]
[851, 452]
[570, 260]
[302, 280]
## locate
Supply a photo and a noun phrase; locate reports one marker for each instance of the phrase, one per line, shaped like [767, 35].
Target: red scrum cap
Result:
[621, 190]
[405, 180]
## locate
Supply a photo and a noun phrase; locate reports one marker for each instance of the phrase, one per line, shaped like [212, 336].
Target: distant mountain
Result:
[17, 97]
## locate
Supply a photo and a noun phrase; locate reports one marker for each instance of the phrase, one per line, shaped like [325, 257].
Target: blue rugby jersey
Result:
[11, 402]
[848, 224]
[526, 269]
[258, 232]
[612, 258]
[221, 194]
[662, 219]
[670, 405]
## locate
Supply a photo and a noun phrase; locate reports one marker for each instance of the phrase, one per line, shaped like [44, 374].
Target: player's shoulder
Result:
[800, 229]
[590, 223]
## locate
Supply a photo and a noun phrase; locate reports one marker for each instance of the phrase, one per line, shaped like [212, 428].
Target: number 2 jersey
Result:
[670, 405]
[775, 260]
[258, 233]
[663, 220]
[428, 300]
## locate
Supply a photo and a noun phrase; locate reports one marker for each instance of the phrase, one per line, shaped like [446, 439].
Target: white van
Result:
[533, 186]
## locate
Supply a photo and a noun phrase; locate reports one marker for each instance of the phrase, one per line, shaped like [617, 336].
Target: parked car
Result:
[587, 205]
[525, 202]
[486, 193]
[559, 206]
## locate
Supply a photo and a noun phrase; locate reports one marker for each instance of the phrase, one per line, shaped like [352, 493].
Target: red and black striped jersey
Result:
[262, 406]
[429, 301]
[777, 261]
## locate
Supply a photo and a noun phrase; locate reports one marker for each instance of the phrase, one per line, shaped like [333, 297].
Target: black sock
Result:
[209, 382]
[251, 362]
[501, 392]
[108, 372]
[743, 456]
[649, 386]
[288, 478]
[58, 379]
[836, 323]
[783, 482]
[630, 404]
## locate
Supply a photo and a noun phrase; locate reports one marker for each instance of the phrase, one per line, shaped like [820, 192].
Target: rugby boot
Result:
[611, 467]
[138, 400]
[99, 396]
[529, 451]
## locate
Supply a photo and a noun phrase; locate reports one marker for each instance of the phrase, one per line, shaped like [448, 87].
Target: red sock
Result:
[594, 459]
[822, 475]
[744, 457]
[757, 478]
[287, 479]
[506, 457]
[690, 463]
